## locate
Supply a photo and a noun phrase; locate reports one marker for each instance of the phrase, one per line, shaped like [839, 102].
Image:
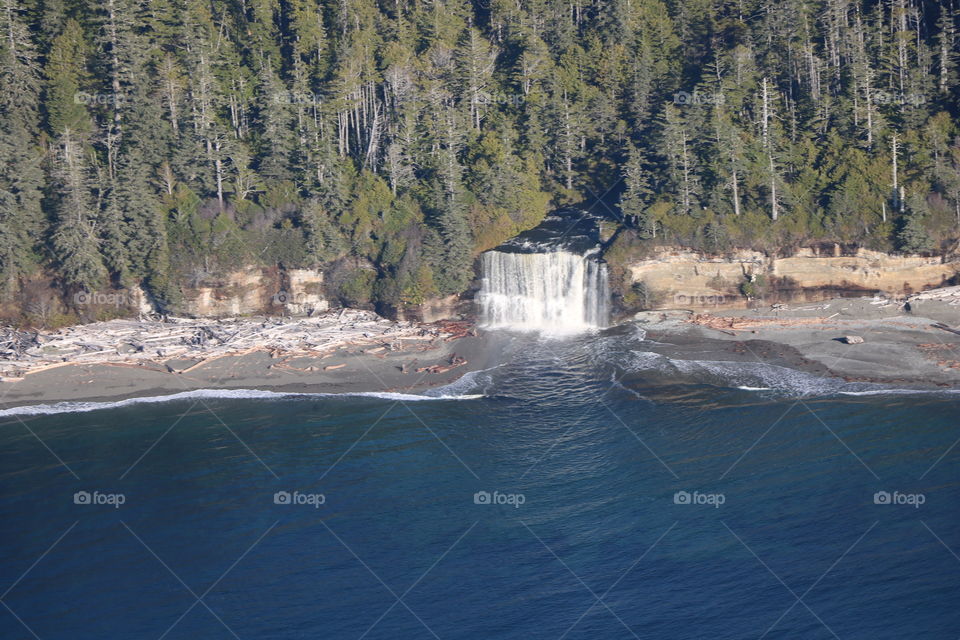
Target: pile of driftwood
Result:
[949, 295]
[197, 342]
[455, 361]
[457, 329]
[732, 324]
[14, 343]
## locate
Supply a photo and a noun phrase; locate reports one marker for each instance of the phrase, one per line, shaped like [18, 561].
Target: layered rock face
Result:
[252, 291]
[683, 278]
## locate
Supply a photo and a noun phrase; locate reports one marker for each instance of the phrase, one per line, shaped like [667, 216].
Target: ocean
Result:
[580, 487]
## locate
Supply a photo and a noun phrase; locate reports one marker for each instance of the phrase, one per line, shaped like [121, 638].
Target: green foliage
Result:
[913, 236]
[754, 286]
[356, 290]
[166, 142]
[640, 297]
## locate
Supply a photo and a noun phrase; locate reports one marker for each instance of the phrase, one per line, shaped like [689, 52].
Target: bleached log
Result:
[135, 342]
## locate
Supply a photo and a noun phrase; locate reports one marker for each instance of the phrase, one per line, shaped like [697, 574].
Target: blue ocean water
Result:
[579, 488]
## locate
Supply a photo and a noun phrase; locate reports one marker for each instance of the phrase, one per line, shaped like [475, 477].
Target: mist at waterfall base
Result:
[598, 435]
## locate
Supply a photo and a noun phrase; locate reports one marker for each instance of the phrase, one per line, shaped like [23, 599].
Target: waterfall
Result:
[551, 291]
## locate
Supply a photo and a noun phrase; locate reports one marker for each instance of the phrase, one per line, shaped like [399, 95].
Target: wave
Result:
[761, 376]
[220, 394]
[469, 386]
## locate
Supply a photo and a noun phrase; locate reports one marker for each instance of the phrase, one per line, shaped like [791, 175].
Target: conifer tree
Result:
[637, 194]
[75, 237]
[21, 179]
[162, 142]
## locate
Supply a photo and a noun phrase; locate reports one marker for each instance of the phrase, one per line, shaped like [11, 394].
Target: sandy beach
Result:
[371, 354]
[900, 346]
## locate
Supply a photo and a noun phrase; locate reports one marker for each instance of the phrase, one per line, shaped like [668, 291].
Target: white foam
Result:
[899, 392]
[762, 376]
[200, 394]
[466, 386]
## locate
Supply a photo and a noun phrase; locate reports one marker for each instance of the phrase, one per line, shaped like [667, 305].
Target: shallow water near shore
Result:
[578, 487]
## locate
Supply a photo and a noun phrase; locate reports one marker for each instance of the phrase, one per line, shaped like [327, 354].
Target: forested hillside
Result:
[166, 141]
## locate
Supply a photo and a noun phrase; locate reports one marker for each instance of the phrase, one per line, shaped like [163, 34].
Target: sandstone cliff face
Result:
[435, 309]
[255, 290]
[870, 270]
[676, 277]
[682, 278]
[303, 292]
[237, 293]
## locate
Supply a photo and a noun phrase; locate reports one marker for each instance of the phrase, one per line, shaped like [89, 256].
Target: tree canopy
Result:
[165, 141]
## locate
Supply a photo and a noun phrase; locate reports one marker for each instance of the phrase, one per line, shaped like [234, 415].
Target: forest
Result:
[164, 142]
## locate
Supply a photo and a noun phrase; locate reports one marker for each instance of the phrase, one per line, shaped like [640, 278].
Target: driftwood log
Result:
[940, 325]
[202, 341]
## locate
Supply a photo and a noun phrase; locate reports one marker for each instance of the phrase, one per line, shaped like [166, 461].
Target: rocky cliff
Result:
[257, 290]
[676, 277]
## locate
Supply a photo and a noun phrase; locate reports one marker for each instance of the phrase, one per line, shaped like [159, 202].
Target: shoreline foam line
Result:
[83, 406]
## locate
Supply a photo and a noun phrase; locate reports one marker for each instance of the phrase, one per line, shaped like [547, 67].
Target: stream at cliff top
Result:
[580, 488]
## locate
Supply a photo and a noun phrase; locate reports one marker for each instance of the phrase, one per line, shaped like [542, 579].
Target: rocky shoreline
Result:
[357, 351]
[902, 343]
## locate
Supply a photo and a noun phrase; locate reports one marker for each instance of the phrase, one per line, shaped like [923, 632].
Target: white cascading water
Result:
[553, 291]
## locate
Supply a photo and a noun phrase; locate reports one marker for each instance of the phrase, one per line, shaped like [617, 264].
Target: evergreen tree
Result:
[636, 198]
[409, 136]
[75, 235]
[913, 236]
[21, 179]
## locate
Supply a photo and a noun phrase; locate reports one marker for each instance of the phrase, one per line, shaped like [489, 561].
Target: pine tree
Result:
[681, 161]
[323, 242]
[21, 178]
[636, 198]
[75, 235]
[475, 62]
[913, 236]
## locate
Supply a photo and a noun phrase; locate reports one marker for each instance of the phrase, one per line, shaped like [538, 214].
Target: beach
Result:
[354, 353]
[368, 354]
[900, 345]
